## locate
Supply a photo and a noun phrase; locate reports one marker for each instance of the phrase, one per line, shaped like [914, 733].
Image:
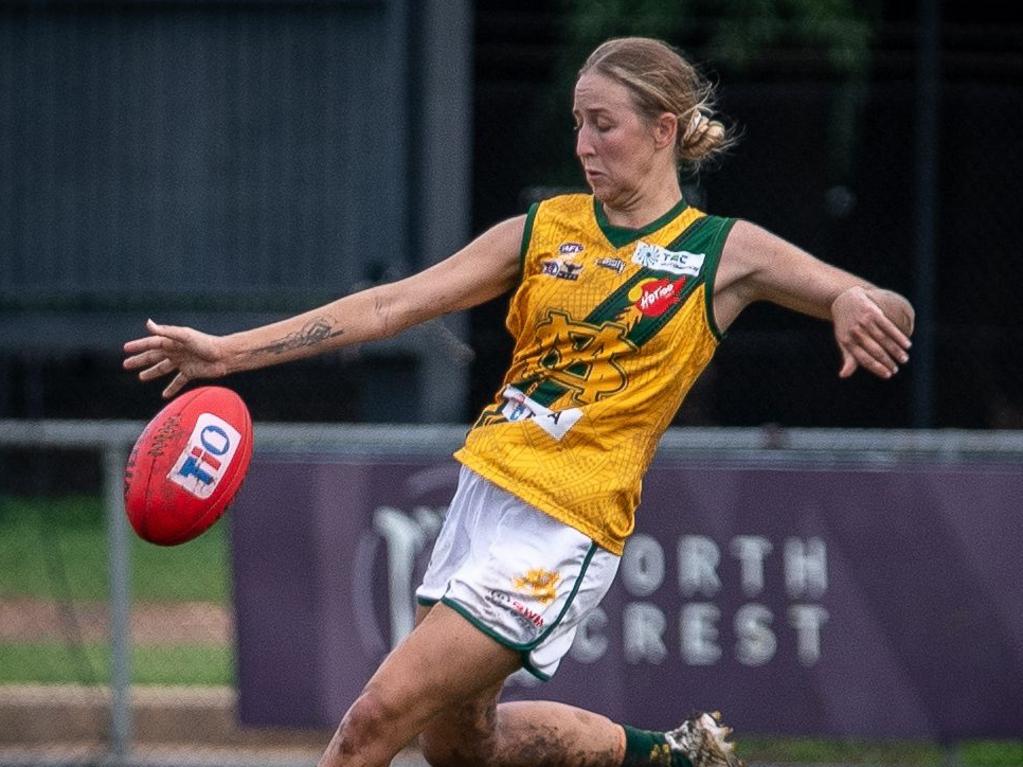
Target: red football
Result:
[187, 465]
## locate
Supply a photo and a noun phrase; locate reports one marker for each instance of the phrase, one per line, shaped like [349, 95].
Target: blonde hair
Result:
[661, 80]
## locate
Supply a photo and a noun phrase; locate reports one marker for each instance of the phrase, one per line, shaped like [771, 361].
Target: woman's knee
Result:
[371, 723]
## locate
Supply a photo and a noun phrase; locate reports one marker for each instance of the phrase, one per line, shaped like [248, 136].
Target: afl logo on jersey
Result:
[568, 248]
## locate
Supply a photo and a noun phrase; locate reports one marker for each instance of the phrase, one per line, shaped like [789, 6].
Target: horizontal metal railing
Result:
[755, 442]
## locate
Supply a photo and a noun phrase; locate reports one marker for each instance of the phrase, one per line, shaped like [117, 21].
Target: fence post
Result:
[119, 564]
[926, 262]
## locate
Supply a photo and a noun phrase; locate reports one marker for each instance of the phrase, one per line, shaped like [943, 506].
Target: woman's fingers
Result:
[144, 359]
[173, 349]
[849, 363]
[143, 344]
[158, 354]
[161, 368]
[888, 333]
[894, 343]
[867, 337]
[171, 332]
[156, 342]
[868, 361]
[177, 384]
[876, 352]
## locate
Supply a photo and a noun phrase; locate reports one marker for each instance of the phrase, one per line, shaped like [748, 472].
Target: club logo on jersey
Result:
[654, 297]
[614, 264]
[540, 584]
[206, 456]
[568, 248]
[563, 270]
[663, 260]
[582, 357]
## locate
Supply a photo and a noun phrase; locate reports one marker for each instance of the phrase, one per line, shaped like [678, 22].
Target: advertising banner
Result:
[875, 600]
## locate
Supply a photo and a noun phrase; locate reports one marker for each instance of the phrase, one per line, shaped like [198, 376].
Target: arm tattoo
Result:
[316, 332]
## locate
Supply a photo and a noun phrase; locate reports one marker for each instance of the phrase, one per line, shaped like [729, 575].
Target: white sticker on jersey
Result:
[519, 407]
[662, 260]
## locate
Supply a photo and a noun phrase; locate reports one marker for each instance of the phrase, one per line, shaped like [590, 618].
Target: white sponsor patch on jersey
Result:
[663, 260]
[519, 407]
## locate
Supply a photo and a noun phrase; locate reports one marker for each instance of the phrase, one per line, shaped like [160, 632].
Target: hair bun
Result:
[702, 138]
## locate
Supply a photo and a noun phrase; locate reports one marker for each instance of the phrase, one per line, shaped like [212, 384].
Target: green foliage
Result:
[735, 33]
[67, 512]
[195, 571]
[743, 38]
[746, 29]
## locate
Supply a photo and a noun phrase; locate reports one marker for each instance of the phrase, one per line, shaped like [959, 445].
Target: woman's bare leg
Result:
[480, 731]
[444, 680]
[444, 661]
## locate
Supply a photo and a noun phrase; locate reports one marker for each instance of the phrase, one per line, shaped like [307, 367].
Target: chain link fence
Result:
[109, 645]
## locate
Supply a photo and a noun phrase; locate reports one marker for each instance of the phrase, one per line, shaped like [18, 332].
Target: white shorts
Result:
[518, 575]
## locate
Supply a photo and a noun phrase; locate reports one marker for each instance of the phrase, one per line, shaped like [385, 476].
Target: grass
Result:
[57, 549]
[53, 548]
[993, 753]
[822, 751]
[55, 663]
[978, 753]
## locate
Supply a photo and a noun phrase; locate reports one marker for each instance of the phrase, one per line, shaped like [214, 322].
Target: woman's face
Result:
[618, 148]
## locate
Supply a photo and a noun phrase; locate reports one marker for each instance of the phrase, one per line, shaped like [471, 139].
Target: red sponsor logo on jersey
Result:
[657, 296]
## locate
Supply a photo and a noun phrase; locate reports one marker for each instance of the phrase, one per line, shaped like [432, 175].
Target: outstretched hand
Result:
[872, 328]
[169, 349]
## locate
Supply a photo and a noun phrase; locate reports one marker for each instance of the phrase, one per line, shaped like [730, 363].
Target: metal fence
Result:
[62, 714]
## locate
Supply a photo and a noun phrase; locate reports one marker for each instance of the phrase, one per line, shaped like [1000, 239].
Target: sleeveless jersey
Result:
[612, 326]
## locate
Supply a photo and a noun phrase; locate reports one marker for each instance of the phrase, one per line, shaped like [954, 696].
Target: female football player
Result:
[620, 300]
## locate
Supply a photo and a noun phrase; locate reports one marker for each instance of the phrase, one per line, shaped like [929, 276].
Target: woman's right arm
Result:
[484, 269]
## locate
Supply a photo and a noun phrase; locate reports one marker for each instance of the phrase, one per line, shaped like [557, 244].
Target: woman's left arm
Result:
[872, 325]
